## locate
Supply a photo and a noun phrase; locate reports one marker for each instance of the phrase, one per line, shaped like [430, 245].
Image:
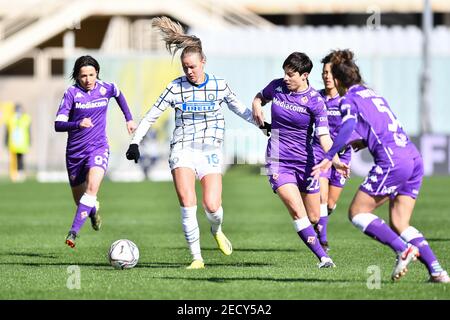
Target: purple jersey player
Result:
[82, 113]
[331, 182]
[296, 108]
[396, 175]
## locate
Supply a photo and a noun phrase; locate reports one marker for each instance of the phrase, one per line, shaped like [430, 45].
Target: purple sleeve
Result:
[62, 123]
[124, 107]
[341, 139]
[268, 91]
[65, 106]
[354, 137]
[62, 126]
[320, 114]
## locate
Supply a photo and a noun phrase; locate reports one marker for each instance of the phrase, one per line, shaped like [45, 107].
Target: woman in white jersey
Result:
[196, 146]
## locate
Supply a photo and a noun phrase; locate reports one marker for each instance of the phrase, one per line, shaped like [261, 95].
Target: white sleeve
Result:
[235, 105]
[320, 131]
[163, 102]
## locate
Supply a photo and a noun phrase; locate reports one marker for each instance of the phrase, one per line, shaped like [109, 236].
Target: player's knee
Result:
[186, 201]
[211, 206]
[92, 189]
[331, 203]
[314, 218]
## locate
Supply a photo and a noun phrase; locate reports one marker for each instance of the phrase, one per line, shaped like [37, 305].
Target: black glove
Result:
[266, 128]
[133, 152]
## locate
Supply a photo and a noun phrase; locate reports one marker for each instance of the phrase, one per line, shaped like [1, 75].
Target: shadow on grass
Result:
[92, 264]
[185, 264]
[265, 250]
[243, 249]
[231, 279]
[140, 265]
[438, 239]
[60, 264]
[30, 254]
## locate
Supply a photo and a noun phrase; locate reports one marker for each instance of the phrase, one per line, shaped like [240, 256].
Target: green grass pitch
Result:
[269, 260]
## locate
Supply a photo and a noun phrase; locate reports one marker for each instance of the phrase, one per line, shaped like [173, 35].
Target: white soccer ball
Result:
[123, 254]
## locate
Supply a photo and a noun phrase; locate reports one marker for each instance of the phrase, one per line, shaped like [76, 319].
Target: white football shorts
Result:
[201, 161]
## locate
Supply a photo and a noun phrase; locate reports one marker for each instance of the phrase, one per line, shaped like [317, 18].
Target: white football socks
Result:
[362, 220]
[191, 230]
[301, 224]
[323, 210]
[88, 200]
[215, 219]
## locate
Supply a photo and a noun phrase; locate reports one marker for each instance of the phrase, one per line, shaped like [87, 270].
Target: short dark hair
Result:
[84, 61]
[298, 61]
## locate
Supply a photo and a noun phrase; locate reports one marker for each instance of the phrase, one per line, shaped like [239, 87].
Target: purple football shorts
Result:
[404, 178]
[280, 175]
[78, 167]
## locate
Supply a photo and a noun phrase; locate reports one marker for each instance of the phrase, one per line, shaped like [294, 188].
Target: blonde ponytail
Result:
[175, 38]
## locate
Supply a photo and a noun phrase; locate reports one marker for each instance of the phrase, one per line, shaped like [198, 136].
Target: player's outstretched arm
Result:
[235, 105]
[258, 115]
[164, 101]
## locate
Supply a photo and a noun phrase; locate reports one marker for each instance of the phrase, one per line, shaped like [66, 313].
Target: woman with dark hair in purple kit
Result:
[82, 113]
[297, 111]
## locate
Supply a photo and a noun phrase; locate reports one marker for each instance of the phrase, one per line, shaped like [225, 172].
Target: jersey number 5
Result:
[379, 103]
